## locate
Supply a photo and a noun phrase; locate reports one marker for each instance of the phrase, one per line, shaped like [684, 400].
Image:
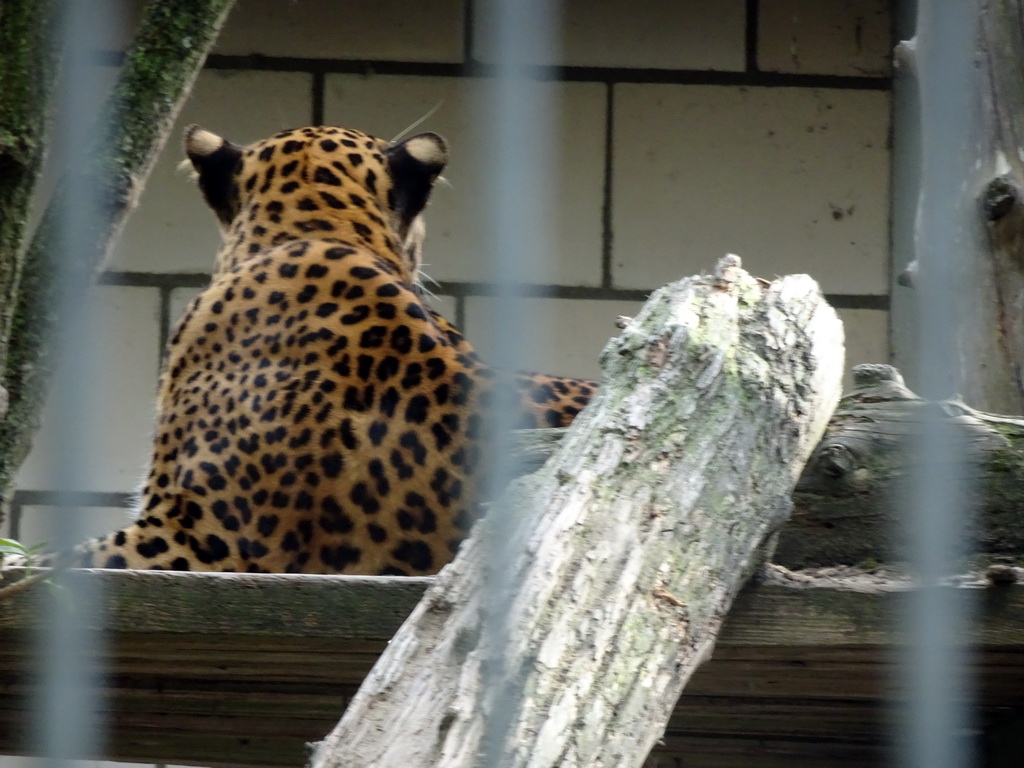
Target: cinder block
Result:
[791, 179]
[839, 37]
[867, 339]
[456, 246]
[116, 398]
[683, 34]
[173, 230]
[393, 30]
[558, 336]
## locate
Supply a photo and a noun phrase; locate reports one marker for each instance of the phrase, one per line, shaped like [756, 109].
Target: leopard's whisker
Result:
[422, 120]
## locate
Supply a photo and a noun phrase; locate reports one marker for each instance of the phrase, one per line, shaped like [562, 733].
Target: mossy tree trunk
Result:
[27, 69]
[159, 68]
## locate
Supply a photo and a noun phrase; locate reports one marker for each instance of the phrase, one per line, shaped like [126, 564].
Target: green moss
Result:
[1002, 461]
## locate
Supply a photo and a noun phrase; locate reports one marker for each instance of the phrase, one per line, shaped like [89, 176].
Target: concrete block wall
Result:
[684, 130]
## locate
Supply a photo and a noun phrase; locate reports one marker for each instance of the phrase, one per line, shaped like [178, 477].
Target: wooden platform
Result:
[236, 669]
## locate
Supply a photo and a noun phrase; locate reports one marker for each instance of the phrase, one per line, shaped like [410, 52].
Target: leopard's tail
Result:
[165, 539]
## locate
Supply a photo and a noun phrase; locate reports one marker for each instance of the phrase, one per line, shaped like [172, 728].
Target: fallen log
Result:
[848, 500]
[626, 549]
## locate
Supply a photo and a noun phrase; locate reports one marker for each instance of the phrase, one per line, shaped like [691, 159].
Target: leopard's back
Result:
[314, 414]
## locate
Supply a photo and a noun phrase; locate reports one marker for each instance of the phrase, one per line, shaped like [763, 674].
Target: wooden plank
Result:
[705, 752]
[830, 613]
[260, 605]
[862, 721]
[778, 615]
[224, 668]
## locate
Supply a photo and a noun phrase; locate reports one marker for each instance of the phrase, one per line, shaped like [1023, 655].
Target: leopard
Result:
[314, 414]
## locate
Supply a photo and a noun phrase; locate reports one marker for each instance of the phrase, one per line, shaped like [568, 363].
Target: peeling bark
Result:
[625, 551]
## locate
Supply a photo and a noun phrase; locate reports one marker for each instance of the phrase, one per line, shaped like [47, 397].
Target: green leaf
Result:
[12, 547]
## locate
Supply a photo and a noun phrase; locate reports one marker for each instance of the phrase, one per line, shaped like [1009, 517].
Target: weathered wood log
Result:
[848, 500]
[849, 497]
[628, 547]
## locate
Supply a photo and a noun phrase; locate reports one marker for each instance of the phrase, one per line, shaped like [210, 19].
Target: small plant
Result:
[17, 549]
[13, 548]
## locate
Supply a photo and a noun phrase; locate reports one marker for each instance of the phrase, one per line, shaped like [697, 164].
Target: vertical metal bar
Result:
[936, 664]
[68, 713]
[515, 141]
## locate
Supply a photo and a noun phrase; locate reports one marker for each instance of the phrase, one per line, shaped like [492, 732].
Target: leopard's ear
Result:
[216, 161]
[414, 165]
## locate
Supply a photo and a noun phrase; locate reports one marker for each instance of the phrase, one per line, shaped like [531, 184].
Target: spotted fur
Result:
[314, 414]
